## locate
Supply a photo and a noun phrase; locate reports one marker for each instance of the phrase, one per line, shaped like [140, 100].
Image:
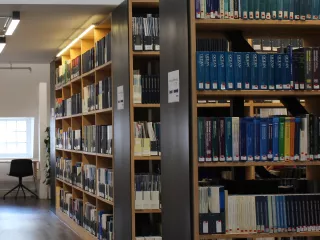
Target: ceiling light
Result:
[13, 23]
[75, 40]
[2, 43]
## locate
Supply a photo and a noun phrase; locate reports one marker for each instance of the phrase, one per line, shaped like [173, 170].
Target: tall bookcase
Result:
[79, 121]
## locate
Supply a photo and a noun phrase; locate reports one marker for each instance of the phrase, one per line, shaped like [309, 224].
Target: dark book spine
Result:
[315, 137]
[311, 136]
[215, 140]
[308, 68]
[315, 68]
[236, 9]
[222, 139]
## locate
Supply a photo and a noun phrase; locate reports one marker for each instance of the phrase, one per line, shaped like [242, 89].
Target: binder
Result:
[229, 70]
[254, 71]
[207, 79]
[200, 70]
[238, 71]
[263, 71]
[244, 9]
[221, 71]
[271, 72]
[246, 71]
[214, 70]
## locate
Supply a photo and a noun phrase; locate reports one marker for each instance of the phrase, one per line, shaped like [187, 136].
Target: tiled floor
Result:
[31, 220]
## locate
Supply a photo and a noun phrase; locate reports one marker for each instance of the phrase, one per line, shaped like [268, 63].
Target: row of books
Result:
[105, 183]
[97, 139]
[212, 44]
[75, 67]
[88, 60]
[147, 191]
[105, 226]
[146, 89]
[84, 176]
[73, 207]
[145, 32]
[97, 96]
[296, 70]
[258, 139]
[69, 106]
[147, 139]
[63, 73]
[103, 50]
[258, 9]
[275, 45]
[70, 139]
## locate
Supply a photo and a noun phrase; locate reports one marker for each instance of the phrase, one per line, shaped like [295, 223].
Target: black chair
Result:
[21, 168]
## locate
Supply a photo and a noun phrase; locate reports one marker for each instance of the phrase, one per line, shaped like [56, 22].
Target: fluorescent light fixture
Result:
[75, 40]
[13, 23]
[2, 43]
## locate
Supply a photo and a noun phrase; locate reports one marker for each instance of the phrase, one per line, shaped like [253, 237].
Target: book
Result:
[262, 9]
[229, 70]
[221, 71]
[246, 71]
[271, 72]
[254, 71]
[244, 9]
[279, 9]
[286, 9]
[238, 70]
[281, 138]
[200, 70]
[263, 71]
[296, 9]
[251, 4]
[214, 70]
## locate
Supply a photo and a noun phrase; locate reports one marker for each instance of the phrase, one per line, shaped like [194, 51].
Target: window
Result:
[16, 137]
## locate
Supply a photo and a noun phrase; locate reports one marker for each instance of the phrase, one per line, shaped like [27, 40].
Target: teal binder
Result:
[280, 9]
[251, 9]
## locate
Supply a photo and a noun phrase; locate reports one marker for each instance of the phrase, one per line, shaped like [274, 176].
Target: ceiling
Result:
[44, 29]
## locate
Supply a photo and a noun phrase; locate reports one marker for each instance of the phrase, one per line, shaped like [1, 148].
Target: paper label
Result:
[205, 228]
[219, 226]
[120, 98]
[173, 87]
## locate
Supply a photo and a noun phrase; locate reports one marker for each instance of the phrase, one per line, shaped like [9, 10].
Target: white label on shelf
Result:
[173, 87]
[205, 227]
[219, 226]
[120, 98]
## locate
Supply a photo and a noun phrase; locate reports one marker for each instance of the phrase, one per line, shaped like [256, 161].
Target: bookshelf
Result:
[307, 30]
[70, 86]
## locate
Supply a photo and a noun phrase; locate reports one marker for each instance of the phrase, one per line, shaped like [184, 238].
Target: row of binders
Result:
[145, 32]
[147, 139]
[234, 139]
[97, 96]
[147, 191]
[69, 106]
[146, 89]
[295, 70]
[258, 9]
[257, 213]
[85, 177]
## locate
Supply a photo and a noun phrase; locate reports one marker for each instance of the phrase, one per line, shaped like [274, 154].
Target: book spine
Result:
[290, 73]
[208, 8]
[281, 138]
[263, 71]
[302, 10]
[315, 9]
[308, 9]
[268, 9]
[315, 68]
[200, 70]
[246, 71]
[217, 9]
[287, 139]
[214, 70]
[207, 82]
[292, 136]
[221, 71]
[297, 138]
[226, 9]
[250, 139]
[251, 9]
[301, 70]
[311, 137]
[263, 9]
[231, 9]
[274, 12]
[208, 140]
[280, 9]
[308, 68]
[228, 137]
[296, 9]
[275, 141]
[213, 9]
[236, 9]
[318, 137]
[203, 8]
[291, 9]
[201, 143]
[238, 72]
[286, 72]
[215, 140]
[256, 135]
[254, 71]
[286, 9]
[197, 8]
[278, 71]
[229, 70]
[244, 9]
[221, 9]
[235, 139]
[243, 128]
[271, 71]
[257, 9]
[222, 147]
[264, 139]
[270, 139]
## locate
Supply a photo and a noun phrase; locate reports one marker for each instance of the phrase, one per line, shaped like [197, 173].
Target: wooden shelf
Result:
[258, 93]
[262, 163]
[86, 153]
[145, 3]
[107, 110]
[147, 158]
[85, 235]
[140, 105]
[260, 235]
[105, 201]
[258, 27]
[146, 53]
[67, 117]
[144, 211]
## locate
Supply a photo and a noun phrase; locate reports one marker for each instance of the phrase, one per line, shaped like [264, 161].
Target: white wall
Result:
[19, 94]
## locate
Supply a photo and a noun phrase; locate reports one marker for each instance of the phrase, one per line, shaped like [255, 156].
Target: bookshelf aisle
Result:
[221, 223]
[84, 134]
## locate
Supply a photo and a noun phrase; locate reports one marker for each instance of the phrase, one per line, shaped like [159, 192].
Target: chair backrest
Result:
[21, 168]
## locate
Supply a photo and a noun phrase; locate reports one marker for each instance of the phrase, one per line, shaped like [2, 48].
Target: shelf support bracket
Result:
[293, 105]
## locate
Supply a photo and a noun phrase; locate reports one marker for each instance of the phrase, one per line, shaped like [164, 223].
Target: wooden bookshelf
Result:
[145, 3]
[78, 121]
[145, 53]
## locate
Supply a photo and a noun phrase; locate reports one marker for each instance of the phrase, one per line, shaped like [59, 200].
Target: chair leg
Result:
[4, 197]
[24, 194]
[30, 191]
[17, 192]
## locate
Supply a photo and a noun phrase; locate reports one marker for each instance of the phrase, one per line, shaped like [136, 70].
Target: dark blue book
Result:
[263, 9]
[280, 9]
[271, 72]
[275, 135]
[308, 9]
[296, 9]
[243, 138]
[266, 214]
[200, 70]
[207, 83]
[278, 71]
[264, 139]
[214, 70]
[238, 71]
[251, 8]
[250, 139]
[263, 71]
[291, 9]
[256, 134]
[286, 72]
[278, 213]
[246, 71]
[254, 71]
[197, 8]
[315, 9]
[286, 6]
[274, 9]
[303, 10]
[229, 70]
[244, 9]
[268, 9]
[256, 9]
[221, 71]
